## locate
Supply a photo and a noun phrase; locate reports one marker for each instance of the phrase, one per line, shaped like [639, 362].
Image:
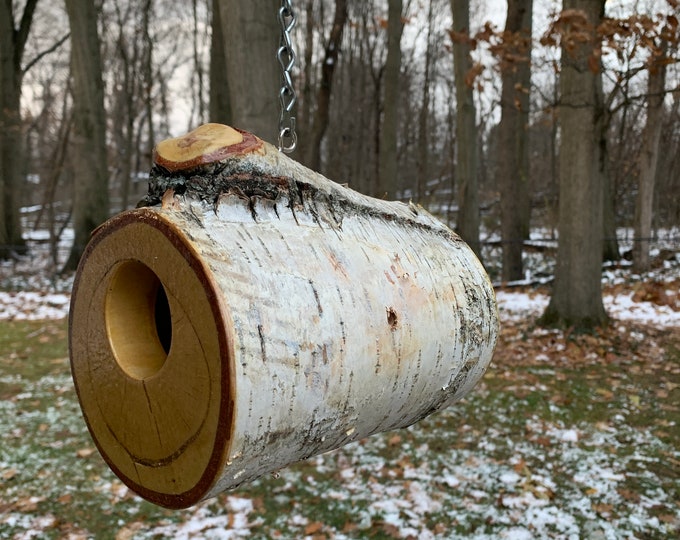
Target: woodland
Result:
[545, 133]
[563, 118]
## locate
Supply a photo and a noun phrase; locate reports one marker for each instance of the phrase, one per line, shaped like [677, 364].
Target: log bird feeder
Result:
[251, 313]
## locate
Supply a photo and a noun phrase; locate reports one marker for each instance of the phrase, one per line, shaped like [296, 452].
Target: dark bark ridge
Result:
[216, 183]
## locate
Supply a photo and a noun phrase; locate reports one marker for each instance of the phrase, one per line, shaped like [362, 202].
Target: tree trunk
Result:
[251, 38]
[264, 316]
[90, 193]
[323, 96]
[649, 155]
[12, 44]
[577, 293]
[513, 157]
[388, 168]
[220, 104]
[304, 117]
[610, 243]
[466, 129]
[422, 169]
[148, 77]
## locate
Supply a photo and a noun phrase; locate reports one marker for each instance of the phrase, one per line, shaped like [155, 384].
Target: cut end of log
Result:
[150, 365]
[204, 145]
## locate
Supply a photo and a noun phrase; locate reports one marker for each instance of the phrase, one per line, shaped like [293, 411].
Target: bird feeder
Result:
[252, 313]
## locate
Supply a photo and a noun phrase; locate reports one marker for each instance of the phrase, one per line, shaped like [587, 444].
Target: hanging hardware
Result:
[287, 96]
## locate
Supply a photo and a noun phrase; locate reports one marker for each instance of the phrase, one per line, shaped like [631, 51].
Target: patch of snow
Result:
[23, 305]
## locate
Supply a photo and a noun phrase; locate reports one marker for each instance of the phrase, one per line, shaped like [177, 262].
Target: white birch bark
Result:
[302, 316]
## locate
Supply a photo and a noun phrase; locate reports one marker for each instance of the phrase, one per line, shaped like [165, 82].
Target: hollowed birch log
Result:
[254, 314]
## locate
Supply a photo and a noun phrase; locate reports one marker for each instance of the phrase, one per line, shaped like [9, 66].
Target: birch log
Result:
[253, 313]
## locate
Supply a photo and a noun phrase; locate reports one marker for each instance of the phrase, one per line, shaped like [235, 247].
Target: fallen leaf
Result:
[395, 440]
[84, 453]
[29, 504]
[602, 508]
[8, 474]
[313, 528]
[127, 532]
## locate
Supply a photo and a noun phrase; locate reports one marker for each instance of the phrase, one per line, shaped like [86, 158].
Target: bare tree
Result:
[323, 96]
[251, 36]
[220, 106]
[387, 155]
[577, 292]
[649, 156]
[513, 153]
[467, 161]
[12, 46]
[90, 190]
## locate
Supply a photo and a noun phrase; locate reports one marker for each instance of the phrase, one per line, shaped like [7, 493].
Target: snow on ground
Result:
[515, 305]
[29, 305]
[512, 305]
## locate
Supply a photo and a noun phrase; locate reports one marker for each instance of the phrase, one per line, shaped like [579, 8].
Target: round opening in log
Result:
[151, 358]
[138, 320]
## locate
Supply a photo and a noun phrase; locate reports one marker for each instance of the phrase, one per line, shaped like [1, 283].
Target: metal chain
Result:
[287, 95]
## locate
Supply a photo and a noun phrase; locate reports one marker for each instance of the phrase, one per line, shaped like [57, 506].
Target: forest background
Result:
[442, 103]
[568, 435]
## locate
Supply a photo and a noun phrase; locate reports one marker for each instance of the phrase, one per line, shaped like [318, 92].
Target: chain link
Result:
[287, 96]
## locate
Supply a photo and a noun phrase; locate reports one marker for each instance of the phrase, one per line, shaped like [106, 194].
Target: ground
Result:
[567, 436]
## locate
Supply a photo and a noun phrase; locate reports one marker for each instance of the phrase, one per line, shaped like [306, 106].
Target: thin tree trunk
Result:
[220, 105]
[12, 45]
[199, 103]
[422, 172]
[90, 193]
[388, 163]
[148, 76]
[649, 156]
[323, 96]
[513, 166]
[305, 116]
[466, 130]
[577, 293]
[251, 39]
[610, 244]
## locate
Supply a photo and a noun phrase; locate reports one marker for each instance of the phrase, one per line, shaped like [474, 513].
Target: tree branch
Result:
[47, 51]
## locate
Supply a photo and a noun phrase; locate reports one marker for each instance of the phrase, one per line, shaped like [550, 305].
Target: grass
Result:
[567, 436]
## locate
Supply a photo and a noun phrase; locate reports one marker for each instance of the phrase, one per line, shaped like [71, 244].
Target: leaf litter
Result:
[567, 436]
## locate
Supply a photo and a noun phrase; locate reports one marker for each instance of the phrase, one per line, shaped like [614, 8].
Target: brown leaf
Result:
[129, 531]
[313, 528]
[28, 504]
[391, 530]
[8, 474]
[629, 495]
[84, 453]
[603, 508]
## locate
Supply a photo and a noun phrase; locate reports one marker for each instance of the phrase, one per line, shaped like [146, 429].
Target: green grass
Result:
[563, 438]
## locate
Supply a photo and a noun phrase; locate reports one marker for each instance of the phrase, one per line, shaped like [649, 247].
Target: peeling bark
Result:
[257, 314]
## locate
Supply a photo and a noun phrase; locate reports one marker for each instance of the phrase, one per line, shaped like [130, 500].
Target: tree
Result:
[12, 46]
[220, 106]
[577, 292]
[513, 152]
[649, 155]
[387, 152]
[251, 36]
[466, 127]
[323, 96]
[90, 184]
